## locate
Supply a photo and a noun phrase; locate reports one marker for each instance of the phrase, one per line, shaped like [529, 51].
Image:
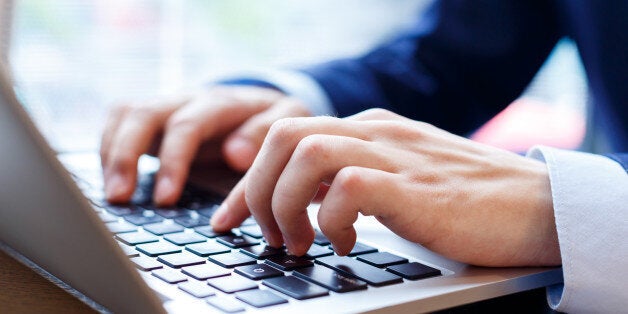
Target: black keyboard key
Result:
[146, 263]
[321, 239]
[209, 232]
[205, 271]
[146, 217]
[202, 209]
[162, 228]
[260, 298]
[142, 196]
[169, 275]
[123, 210]
[170, 213]
[382, 259]
[146, 181]
[207, 248]
[121, 227]
[231, 284]
[227, 305]
[288, 262]
[414, 271]
[230, 260]
[262, 251]
[349, 266]
[197, 289]
[191, 222]
[253, 230]
[158, 248]
[295, 287]
[134, 238]
[195, 194]
[185, 238]
[237, 241]
[317, 251]
[330, 279]
[179, 260]
[258, 271]
[360, 248]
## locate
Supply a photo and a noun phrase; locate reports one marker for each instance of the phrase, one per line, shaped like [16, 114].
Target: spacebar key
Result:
[351, 267]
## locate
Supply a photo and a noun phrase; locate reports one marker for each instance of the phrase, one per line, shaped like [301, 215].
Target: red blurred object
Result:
[528, 122]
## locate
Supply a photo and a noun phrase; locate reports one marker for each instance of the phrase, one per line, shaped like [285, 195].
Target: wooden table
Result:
[24, 291]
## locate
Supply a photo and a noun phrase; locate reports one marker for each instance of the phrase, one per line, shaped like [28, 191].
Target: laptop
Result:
[141, 259]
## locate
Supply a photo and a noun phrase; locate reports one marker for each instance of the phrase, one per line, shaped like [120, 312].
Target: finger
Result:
[209, 152]
[243, 144]
[112, 123]
[357, 190]
[376, 114]
[203, 120]
[316, 159]
[132, 139]
[233, 210]
[274, 154]
[320, 194]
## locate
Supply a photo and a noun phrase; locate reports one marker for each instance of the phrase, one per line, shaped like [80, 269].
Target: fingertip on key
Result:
[117, 189]
[165, 192]
[220, 218]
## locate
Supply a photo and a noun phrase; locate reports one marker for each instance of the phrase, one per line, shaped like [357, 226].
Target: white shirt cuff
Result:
[590, 195]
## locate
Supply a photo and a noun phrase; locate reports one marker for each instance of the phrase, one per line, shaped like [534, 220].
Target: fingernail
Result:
[116, 187]
[220, 216]
[163, 190]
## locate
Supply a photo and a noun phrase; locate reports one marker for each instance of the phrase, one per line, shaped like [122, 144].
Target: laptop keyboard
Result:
[236, 270]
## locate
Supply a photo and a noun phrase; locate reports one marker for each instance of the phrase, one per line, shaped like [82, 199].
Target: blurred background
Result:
[71, 59]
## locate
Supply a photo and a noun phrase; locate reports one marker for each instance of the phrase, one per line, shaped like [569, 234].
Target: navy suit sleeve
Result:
[621, 158]
[462, 63]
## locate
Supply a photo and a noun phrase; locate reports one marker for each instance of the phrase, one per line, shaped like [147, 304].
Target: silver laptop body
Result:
[47, 221]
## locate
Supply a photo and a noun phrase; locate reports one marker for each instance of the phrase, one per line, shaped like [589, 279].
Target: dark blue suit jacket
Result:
[465, 60]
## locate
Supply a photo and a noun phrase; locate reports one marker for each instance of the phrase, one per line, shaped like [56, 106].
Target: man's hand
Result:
[468, 201]
[224, 123]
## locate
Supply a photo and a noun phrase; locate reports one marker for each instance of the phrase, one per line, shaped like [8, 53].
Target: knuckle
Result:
[399, 127]
[378, 113]
[312, 147]
[350, 180]
[182, 123]
[404, 130]
[282, 130]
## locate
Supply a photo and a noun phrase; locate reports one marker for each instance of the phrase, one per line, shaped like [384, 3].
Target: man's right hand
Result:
[226, 123]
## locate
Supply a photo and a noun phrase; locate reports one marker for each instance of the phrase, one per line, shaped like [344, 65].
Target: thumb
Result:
[241, 147]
